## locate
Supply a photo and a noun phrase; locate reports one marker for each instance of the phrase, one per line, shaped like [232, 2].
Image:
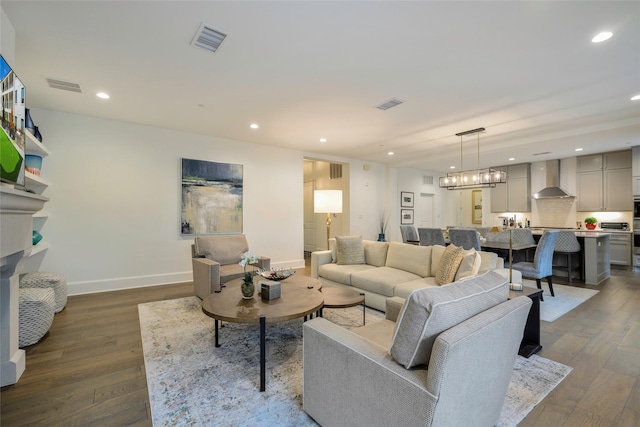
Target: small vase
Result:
[381, 237]
[248, 289]
[590, 226]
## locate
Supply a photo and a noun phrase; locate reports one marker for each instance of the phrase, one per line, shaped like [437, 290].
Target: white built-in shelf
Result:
[32, 180]
[41, 246]
[33, 146]
[41, 214]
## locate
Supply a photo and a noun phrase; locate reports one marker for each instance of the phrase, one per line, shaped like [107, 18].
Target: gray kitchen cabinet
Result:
[620, 249]
[515, 195]
[604, 182]
[635, 170]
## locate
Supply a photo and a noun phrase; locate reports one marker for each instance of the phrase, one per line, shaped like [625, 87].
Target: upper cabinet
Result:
[635, 171]
[604, 182]
[515, 195]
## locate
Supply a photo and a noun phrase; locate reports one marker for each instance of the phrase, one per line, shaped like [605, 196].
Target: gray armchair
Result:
[351, 379]
[215, 261]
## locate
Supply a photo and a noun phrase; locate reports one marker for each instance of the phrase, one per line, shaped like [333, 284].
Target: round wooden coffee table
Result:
[228, 305]
[343, 298]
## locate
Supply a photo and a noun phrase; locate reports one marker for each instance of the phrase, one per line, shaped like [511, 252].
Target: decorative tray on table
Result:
[276, 275]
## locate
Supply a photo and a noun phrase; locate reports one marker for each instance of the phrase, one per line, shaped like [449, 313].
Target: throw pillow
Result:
[375, 253]
[449, 263]
[431, 311]
[349, 250]
[470, 265]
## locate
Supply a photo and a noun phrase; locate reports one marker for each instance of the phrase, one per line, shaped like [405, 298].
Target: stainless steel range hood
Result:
[552, 190]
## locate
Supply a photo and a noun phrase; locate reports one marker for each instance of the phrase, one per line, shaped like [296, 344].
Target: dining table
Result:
[501, 247]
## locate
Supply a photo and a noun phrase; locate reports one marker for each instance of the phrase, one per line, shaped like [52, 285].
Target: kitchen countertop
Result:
[539, 230]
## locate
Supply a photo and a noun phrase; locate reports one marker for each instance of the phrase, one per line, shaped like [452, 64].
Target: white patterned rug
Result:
[567, 298]
[193, 383]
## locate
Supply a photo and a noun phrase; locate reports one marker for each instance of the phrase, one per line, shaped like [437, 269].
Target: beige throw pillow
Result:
[470, 265]
[449, 263]
[349, 250]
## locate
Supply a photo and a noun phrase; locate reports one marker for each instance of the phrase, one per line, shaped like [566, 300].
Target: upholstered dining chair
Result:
[409, 234]
[541, 267]
[567, 244]
[467, 238]
[431, 236]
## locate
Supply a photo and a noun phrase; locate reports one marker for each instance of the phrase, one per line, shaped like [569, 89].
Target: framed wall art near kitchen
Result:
[211, 197]
[406, 199]
[406, 216]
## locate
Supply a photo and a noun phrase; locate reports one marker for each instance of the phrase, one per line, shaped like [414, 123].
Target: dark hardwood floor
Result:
[89, 369]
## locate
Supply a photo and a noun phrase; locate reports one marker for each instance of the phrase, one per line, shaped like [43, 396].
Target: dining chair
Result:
[467, 238]
[431, 236]
[568, 245]
[409, 234]
[541, 267]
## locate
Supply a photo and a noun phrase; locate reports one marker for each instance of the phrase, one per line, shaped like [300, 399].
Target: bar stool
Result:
[567, 244]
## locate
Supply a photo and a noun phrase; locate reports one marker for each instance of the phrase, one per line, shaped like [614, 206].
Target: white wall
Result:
[114, 213]
[115, 201]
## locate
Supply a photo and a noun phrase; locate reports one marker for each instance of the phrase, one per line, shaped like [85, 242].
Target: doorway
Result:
[426, 210]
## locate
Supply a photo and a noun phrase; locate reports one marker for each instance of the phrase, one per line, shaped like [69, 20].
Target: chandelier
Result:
[475, 178]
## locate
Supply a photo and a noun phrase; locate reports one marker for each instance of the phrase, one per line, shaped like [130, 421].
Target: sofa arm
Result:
[393, 307]
[319, 258]
[349, 380]
[206, 277]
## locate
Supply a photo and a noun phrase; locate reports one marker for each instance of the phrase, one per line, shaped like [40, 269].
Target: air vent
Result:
[427, 179]
[541, 154]
[63, 85]
[335, 171]
[208, 38]
[389, 104]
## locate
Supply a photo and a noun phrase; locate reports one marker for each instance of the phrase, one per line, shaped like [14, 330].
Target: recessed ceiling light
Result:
[578, 149]
[323, 139]
[254, 126]
[511, 159]
[605, 35]
[635, 97]
[452, 167]
[102, 95]
[390, 153]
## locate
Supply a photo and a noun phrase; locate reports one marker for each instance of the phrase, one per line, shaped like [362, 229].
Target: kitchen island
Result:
[595, 255]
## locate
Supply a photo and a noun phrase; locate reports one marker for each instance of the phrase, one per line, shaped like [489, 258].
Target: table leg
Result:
[364, 310]
[216, 334]
[263, 351]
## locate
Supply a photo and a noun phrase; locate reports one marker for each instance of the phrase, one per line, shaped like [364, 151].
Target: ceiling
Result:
[305, 70]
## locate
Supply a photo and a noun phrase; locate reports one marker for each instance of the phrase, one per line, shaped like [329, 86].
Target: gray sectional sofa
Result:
[392, 269]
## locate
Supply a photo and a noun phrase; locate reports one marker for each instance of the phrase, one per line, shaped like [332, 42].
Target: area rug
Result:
[193, 383]
[567, 298]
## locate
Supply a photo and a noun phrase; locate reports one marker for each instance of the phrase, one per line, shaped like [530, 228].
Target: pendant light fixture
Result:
[476, 178]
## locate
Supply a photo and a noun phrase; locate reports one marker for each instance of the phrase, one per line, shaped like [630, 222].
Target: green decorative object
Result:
[35, 237]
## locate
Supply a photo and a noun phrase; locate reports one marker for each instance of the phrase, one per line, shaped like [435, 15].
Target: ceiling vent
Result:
[335, 171]
[389, 104]
[63, 85]
[208, 38]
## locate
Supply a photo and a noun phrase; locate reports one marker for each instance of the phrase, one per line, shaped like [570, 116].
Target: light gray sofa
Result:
[391, 269]
[447, 361]
[215, 261]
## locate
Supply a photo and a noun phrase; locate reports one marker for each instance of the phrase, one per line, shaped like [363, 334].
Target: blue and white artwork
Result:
[211, 197]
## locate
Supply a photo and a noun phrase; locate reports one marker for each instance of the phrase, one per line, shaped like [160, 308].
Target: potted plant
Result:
[247, 286]
[590, 222]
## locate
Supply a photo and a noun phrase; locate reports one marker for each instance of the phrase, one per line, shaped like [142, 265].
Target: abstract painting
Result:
[211, 197]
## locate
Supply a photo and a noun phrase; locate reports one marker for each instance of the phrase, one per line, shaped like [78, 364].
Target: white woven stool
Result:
[36, 310]
[42, 279]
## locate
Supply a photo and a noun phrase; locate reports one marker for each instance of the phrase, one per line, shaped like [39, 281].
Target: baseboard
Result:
[120, 283]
